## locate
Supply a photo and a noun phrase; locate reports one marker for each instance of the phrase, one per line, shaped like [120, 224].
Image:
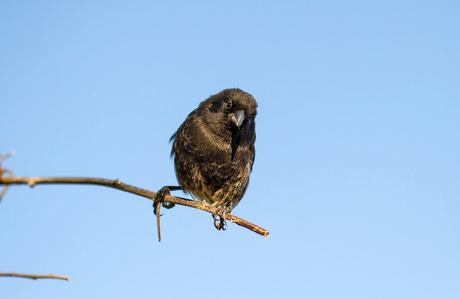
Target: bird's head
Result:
[231, 110]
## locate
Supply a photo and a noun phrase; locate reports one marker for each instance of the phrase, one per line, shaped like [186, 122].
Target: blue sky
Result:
[357, 168]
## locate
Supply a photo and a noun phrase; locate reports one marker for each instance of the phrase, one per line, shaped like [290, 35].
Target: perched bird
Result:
[214, 150]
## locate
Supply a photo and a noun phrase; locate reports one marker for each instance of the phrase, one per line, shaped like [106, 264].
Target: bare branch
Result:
[117, 184]
[33, 276]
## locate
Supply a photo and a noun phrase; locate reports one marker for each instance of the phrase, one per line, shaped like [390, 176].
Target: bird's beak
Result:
[237, 118]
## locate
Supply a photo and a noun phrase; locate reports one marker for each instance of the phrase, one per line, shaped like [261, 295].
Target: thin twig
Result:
[3, 171]
[117, 184]
[157, 216]
[3, 157]
[33, 276]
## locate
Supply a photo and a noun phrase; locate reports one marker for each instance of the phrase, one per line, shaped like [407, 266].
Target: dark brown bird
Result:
[214, 150]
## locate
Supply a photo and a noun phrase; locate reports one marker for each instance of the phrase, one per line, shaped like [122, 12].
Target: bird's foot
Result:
[219, 217]
[159, 199]
[168, 205]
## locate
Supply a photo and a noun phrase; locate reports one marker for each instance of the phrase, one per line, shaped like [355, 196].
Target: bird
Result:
[214, 150]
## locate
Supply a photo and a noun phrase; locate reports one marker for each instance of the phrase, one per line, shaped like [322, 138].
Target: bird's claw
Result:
[167, 205]
[219, 223]
[159, 198]
[219, 217]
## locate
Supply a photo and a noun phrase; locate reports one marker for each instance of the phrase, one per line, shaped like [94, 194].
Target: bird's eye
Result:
[227, 105]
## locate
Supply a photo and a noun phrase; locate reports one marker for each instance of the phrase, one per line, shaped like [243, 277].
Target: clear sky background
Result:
[357, 173]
